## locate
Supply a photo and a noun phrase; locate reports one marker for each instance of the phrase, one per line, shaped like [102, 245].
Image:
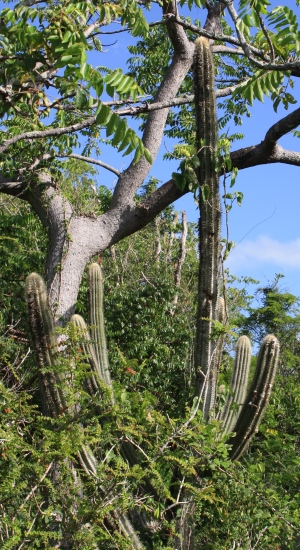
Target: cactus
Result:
[209, 224]
[97, 322]
[91, 381]
[45, 344]
[211, 307]
[238, 384]
[257, 398]
[51, 382]
[246, 423]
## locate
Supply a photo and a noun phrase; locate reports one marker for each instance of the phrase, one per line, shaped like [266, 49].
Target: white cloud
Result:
[265, 251]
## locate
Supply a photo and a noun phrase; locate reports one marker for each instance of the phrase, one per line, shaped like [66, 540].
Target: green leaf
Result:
[112, 124]
[103, 114]
[179, 180]
[148, 156]
[125, 141]
[234, 174]
[120, 132]
[81, 98]
[257, 91]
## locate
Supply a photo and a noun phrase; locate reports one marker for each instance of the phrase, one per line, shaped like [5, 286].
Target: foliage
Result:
[277, 312]
[258, 502]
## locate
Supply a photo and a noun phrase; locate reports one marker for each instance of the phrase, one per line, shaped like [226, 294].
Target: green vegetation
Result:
[255, 500]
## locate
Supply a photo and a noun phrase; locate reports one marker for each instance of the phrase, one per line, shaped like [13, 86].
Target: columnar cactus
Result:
[97, 328]
[45, 345]
[238, 384]
[54, 386]
[209, 224]
[241, 414]
[91, 381]
[257, 398]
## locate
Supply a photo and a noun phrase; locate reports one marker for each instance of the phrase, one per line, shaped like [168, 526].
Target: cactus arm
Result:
[97, 322]
[258, 396]
[45, 345]
[92, 380]
[209, 224]
[53, 400]
[238, 384]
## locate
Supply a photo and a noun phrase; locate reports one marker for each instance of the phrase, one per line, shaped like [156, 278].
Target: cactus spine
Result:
[257, 398]
[209, 224]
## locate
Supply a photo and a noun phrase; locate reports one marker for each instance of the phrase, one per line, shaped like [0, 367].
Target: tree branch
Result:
[139, 215]
[134, 175]
[129, 111]
[257, 155]
[47, 133]
[283, 126]
[268, 151]
[89, 160]
[211, 35]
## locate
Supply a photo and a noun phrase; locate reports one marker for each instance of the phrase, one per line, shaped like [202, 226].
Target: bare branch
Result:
[258, 154]
[234, 16]
[265, 31]
[139, 215]
[268, 151]
[92, 161]
[13, 188]
[89, 160]
[218, 48]
[213, 36]
[91, 29]
[47, 133]
[283, 126]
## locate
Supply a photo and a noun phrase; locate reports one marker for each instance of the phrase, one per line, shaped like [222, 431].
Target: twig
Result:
[34, 489]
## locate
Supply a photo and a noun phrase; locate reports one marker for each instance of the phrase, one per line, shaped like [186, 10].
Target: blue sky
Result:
[266, 228]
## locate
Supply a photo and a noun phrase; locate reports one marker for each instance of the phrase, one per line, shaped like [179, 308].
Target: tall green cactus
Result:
[92, 380]
[238, 384]
[45, 345]
[209, 224]
[245, 418]
[97, 324]
[257, 398]
[53, 386]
